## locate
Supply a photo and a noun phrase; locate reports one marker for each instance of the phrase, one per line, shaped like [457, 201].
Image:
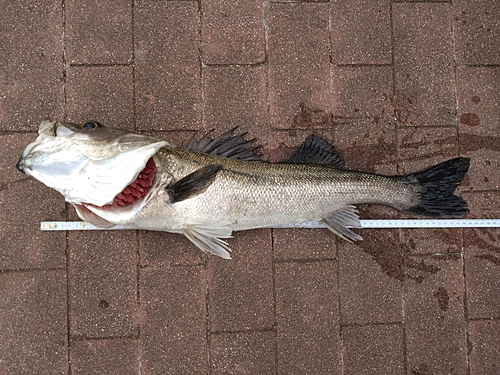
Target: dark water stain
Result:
[470, 119]
[312, 118]
[388, 257]
[419, 270]
[103, 304]
[421, 369]
[490, 258]
[392, 261]
[476, 99]
[368, 157]
[470, 142]
[443, 298]
[487, 240]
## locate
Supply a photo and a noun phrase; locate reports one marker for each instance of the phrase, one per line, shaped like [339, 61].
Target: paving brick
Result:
[420, 148]
[241, 289]
[364, 117]
[165, 249]
[102, 93]
[373, 349]
[236, 96]
[298, 62]
[483, 205]
[243, 353]
[13, 146]
[434, 318]
[484, 342]
[361, 32]
[232, 32]
[478, 91]
[297, 244]
[98, 32]
[370, 274]
[173, 321]
[482, 258]
[34, 324]
[102, 356]
[167, 74]
[307, 317]
[23, 205]
[423, 64]
[31, 65]
[103, 285]
[431, 241]
[477, 30]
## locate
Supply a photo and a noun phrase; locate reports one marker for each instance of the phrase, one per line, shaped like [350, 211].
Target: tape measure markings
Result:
[390, 223]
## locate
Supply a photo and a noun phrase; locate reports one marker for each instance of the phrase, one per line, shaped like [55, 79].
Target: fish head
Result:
[89, 164]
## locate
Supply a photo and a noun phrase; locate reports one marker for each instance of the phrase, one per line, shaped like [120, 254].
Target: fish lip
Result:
[19, 165]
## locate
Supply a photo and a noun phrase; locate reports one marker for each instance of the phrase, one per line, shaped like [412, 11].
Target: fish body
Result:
[217, 186]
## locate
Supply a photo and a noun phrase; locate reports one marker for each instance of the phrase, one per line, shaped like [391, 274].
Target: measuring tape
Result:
[409, 223]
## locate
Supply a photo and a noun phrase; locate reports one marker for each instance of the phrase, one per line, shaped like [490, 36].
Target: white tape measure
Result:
[409, 223]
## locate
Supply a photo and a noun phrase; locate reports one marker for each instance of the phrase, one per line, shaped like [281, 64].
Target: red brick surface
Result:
[374, 349]
[232, 32]
[361, 32]
[479, 119]
[423, 64]
[433, 316]
[99, 356]
[298, 63]
[370, 279]
[395, 85]
[99, 32]
[167, 65]
[307, 316]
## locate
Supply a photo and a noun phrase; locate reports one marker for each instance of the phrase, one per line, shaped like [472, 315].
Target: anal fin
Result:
[340, 221]
[208, 238]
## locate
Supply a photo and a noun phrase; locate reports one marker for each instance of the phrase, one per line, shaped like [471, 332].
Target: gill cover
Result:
[88, 163]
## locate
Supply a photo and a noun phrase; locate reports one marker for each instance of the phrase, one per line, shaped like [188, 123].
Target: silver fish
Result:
[216, 186]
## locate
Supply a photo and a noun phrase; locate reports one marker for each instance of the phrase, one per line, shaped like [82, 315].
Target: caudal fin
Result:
[437, 185]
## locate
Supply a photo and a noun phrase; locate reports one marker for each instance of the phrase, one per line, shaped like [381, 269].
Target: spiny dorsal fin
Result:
[193, 184]
[226, 145]
[339, 221]
[316, 150]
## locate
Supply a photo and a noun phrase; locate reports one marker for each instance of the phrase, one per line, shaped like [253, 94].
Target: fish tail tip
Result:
[437, 187]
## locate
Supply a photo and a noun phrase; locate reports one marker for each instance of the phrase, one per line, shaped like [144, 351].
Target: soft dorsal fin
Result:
[316, 150]
[193, 184]
[226, 145]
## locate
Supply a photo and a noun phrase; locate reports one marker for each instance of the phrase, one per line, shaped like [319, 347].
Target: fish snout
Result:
[20, 165]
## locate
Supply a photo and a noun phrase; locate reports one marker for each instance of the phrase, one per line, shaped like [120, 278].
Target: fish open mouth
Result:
[136, 190]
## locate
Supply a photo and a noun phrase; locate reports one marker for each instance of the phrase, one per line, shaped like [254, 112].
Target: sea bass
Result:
[218, 185]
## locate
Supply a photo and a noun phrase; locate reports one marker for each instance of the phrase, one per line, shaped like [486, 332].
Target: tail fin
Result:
[437, 185]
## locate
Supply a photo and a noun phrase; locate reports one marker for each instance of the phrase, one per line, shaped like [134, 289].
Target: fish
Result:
[215, 186]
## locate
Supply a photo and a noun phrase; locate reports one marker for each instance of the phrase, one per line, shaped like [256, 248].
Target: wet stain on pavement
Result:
[470, 119]
[443, 298]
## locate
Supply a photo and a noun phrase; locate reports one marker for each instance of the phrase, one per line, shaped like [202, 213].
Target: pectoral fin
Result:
[340, 220]
[208, 238]
[193, 184]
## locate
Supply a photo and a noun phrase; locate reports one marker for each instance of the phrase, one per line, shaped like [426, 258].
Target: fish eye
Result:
[91, 125]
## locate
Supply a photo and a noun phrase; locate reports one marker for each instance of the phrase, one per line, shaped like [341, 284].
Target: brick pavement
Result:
[395, 85]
